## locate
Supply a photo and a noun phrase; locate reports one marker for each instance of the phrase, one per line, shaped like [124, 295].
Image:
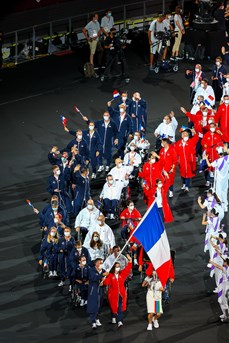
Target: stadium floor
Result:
[34, 310]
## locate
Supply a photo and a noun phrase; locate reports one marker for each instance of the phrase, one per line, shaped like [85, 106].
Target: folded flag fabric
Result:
[211, 97]
[152, 235]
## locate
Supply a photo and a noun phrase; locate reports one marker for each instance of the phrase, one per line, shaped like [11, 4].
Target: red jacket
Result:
[168, 159]
[198, 120]
[150, 173]
[210, 142]
[117, 287]
[223, 116]
[151, 195]
[187, 156]
[135, 214]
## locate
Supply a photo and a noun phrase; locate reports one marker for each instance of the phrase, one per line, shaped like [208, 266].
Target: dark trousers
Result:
[110, 206]
[119, 315]
[186, 181]
[160, 209]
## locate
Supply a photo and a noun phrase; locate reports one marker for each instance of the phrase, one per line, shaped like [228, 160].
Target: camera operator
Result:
[168, 28]
[112, 45]
[156, 27]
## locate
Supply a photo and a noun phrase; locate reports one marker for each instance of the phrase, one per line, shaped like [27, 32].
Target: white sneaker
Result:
[135, 262]
[98, 322]
[120, 324]
[112, 216]
[170, 194]
[215, 290]
[107, 168]
[222, 316]
[150, 327]
[54, 273]
[113, 320]
[82, 303]
[70, 288]
[156, 324]
[101, 168]
[94, 326]
[93, 176]
[61, 283]
[186, 190]
[207, 184]
[51, 274]
[183, 187]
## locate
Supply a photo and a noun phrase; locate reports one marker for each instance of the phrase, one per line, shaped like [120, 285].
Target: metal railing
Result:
[56, 36]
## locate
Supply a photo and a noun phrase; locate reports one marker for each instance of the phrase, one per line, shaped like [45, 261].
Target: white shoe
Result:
[112, 216]
[54, 273]
[170, 194]
[101, 168]
[107, 168]
[156, 324]
[135, 262]
[82, 303]
[94, 326]
[70, 288]
[186, 190]
[120, 324]
[93, 176]
[215, 290]
[98, 322]
[150, 327]
[183, 187]
[207, 184]
[51, 274]
[61, 284]
[222, 316]
[113, 320]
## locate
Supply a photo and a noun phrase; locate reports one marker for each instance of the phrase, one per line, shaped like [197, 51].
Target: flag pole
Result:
[120, 252]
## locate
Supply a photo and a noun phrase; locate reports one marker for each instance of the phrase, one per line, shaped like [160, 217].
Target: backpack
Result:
[89, 71]
[200, 52]
[189, 51]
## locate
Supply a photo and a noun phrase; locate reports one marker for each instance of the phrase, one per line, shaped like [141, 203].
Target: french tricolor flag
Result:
[152, 235]
[63, 120]
[115, 94]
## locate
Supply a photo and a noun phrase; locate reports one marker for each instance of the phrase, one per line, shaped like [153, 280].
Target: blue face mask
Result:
[109, 14]
[54, 209]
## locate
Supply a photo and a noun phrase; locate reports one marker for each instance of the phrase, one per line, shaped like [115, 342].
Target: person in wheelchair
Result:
[142, 144]
[80, 275]
[133, 159]
[77, 252]
[167, 129]
[134, 244]
[120, 173]
[111, 194]
[48, 256]
[97, 248]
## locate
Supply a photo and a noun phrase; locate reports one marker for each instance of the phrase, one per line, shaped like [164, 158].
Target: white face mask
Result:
[152, 160]
[210, 121]
[111, 182]
[218, 63]
[91, 128]
[197, 70]
[100, 267]
[67, 234]
[84, 263]
[79, 136]
[136, 138]
[57, 172]
[56, 220]
[90, 207]
[185, 139]
[124, 98]
[226, 101]
[117, 269]
[212, 129]
[132, 148]
[95, 239]
[79, 249]
[121, 110]
[131, 207]
[159, 185]
[119, 165]
[63, 159]
[52, 234]
[106, 118]
[202, 85]
[205, 113]
[227, 79]
[99, 222]
[164, 121]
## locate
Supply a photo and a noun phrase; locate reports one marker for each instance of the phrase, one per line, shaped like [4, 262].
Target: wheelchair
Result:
[75, 295]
